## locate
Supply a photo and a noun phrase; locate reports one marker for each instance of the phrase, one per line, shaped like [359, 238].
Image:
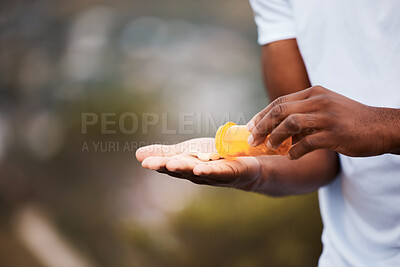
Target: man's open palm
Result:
[176, 160]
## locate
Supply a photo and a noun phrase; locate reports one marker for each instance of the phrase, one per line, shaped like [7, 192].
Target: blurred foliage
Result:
[233, 228]
[59, 59]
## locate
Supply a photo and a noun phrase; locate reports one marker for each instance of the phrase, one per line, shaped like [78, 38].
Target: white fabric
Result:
[351, 47]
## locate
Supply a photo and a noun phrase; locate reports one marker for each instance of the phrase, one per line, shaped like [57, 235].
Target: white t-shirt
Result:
[351, 47]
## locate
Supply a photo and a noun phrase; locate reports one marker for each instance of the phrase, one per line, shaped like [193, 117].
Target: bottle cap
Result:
[219, 138]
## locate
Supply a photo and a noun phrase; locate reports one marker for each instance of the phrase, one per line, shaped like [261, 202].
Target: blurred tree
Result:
[59, 59]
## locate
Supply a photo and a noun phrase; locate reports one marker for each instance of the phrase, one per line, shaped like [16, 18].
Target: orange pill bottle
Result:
[231, 142]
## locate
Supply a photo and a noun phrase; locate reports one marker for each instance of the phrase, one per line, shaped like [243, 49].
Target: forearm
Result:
[284, 73]
[283, 68]
[280, 176]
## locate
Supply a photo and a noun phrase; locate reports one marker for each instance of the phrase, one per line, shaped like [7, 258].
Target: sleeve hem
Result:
[267, 36]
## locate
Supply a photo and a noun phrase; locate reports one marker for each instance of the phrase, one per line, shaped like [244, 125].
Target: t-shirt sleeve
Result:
[274, 20]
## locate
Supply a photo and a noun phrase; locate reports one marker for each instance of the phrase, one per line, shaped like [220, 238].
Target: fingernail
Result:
[269, 145]
[250, 126]
[250, 140]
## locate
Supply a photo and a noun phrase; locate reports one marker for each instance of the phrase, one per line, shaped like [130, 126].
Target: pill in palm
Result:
[203, 156]
[215, 156]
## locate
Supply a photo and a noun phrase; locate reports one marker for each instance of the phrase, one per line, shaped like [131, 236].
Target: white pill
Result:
[204, 156]
[215, 156]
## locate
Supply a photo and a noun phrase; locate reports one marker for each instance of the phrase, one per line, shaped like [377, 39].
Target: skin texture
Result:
[319, 118]
[284, 73]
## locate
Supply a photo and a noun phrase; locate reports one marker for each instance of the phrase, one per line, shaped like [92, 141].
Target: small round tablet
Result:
[215, 156]
[204, 156]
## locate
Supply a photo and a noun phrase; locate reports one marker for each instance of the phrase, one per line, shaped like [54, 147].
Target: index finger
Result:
[304, 94]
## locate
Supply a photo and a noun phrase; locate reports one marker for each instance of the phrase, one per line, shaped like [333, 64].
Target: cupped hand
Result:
[176, 160]
[318, 118]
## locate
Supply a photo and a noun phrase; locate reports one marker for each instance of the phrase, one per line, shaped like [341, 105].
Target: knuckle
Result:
[292, 121]
[309, 92]
[278, 101]
[277, 111]
[317, 89]
[323, 99]
[310, 131]
[257, 118]
[258, 129]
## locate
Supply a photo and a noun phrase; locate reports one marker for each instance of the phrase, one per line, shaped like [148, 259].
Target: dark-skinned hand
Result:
[318, 118]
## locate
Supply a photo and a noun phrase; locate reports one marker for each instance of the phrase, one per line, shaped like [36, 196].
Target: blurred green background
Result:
[61, 205]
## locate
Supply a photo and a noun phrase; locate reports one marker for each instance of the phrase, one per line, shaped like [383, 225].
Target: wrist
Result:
[269, 181]
[390, 129]
[395, 132]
